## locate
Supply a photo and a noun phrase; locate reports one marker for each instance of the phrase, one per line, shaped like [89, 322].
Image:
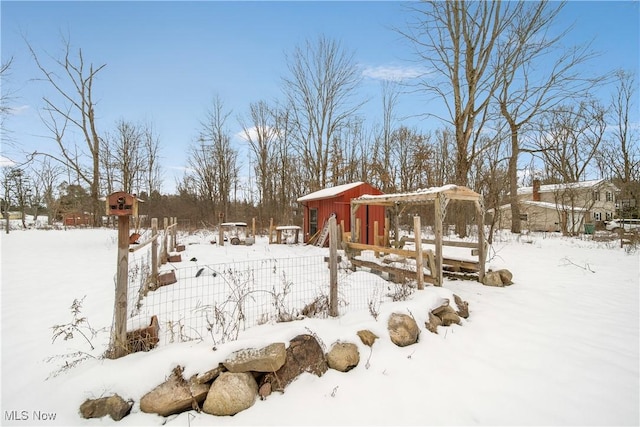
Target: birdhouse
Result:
[122, 204]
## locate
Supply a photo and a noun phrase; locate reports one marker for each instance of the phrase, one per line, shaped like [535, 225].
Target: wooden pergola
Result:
[440, 196]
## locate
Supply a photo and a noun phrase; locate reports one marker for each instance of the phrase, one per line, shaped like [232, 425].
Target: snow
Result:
[328, 192]
[552, 188]
[558, 347]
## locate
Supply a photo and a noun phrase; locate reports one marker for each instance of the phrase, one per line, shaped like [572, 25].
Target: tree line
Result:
[511, 91]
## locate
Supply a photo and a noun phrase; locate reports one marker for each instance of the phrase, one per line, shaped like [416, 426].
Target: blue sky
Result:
[165, 61]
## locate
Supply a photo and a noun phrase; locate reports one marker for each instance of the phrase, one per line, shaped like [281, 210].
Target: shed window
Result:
[313, 221]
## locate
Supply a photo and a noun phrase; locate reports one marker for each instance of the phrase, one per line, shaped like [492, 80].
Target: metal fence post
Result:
[333, 267]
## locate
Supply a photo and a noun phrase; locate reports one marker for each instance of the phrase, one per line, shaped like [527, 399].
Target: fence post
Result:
[165, 254]
[418, 235]
[122, 273]
[154, 250]
[333, 267]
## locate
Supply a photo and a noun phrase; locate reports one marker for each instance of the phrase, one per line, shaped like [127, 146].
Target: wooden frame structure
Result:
[440, 196]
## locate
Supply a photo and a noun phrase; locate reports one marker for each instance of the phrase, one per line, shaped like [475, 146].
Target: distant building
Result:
[563, 207]
[77, 219]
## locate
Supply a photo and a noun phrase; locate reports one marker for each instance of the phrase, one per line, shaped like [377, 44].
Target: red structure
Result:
[319, 206]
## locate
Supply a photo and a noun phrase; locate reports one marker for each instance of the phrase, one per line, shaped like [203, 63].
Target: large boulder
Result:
[343, 356]
[403, 329]
[231, 393]
[175, 395]
[114, 406]
[267, 359]
[304, 354]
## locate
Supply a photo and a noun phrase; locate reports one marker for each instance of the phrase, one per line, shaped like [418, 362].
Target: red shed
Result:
[319, 206]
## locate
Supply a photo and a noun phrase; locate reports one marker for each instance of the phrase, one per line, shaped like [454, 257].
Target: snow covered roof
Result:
[329, 192]
[426, 194]
[545, 205]
[552, 188]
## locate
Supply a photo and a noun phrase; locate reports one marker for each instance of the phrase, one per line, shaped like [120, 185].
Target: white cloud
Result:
[5, 162]
[16, 111]
[393, 72]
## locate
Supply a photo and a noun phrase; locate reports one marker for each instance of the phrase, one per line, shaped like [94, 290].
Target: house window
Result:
[597, 216]
[524, 217]
[596, 195]
[609, 196]
[609, 215]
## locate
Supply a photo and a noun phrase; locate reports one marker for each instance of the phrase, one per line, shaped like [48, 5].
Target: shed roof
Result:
[330, 192]
[450, 191]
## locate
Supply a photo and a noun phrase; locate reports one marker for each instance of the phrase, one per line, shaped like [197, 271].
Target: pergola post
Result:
[482, 255]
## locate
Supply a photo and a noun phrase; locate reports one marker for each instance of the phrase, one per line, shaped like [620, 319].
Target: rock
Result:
[210, 375]
[403, 329]
[267, 359]
[304, 354]
[264, 391]
[505, 276]
[174, 395]
[343, 356]
[463, 307]
[367, 337]
[492, 278]
[433, 323]
[448, 316]
[444, 304]
[114, 406]
[231, 393]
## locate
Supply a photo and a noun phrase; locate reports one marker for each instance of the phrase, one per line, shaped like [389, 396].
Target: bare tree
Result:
[260, 133]
[75, 107]
[535, 74]
[5, 98]
[457, 41]
[124, 158]
[320, 89]
[46, 181]
[569, 139]
[214, 168]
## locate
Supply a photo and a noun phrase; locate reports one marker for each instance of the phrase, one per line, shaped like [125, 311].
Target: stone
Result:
[444, 304]
[367, 337]
[403, 329]
[230, 393]
[343, 356]
[264, 391]
[506, 276]
[210, 375]
[175, 395]
[449, 317]
[463, 307]
[433, 323]
[114, 406]
[304, 354]
[267, 359]
[492, 278]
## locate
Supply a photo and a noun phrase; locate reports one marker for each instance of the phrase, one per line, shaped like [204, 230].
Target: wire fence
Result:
[221, 300]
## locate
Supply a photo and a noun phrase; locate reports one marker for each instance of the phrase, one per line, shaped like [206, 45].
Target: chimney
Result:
[536, 190]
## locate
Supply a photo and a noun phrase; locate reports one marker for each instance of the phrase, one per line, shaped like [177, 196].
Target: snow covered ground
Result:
[558, 347]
